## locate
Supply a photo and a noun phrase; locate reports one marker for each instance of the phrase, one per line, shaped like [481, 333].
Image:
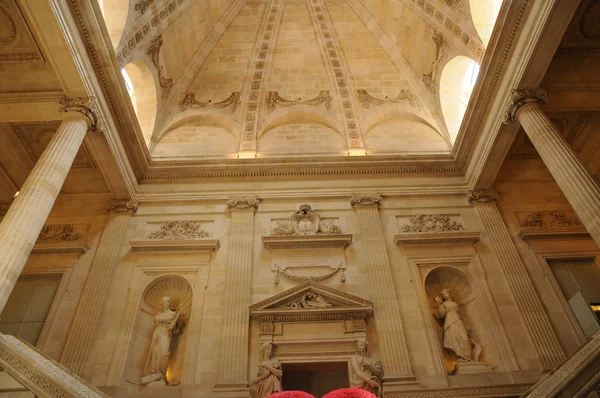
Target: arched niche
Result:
[301, 137]
[202, 136]
[484, 14]
[181, 293]
[115, 17]
[456, 85]
[143, 95]
[461, 290]
[406, 134]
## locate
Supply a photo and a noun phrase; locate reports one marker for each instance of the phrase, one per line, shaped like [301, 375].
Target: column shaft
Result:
[574, 179]
[232, 377]
[390, 333]
[534, 316]
[95, 292]
[25, 218]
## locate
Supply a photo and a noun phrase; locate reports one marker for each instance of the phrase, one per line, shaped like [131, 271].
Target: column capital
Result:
[365, 199]
[84, 106]
[520, 98]
[242, 202]
[123, 206]
[484, 196]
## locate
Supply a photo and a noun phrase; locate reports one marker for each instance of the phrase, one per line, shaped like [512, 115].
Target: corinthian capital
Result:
[123, 206]
[520, 98]
[86, 107]
[365, 199]
[242, 202]
[485, 196]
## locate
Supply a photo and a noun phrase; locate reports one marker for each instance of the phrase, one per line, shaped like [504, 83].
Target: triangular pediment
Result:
[312, 296]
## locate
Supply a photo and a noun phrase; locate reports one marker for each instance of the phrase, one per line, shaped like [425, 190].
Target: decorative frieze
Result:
[551, 225]
[548, 219]
[274, 100]
[143, 5]
[55, 233]
[179, 230]
[154, 51]
[231, 103]
[431, 223]
[405, 95]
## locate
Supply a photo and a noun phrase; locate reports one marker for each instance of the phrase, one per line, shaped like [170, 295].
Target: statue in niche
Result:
[366, 372]
[269, 375]
[165, 325]
[457, 338]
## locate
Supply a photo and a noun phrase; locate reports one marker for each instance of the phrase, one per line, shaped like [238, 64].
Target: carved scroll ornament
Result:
[432, 223]
[367, 99]
[230, 103]
[274, 100]
[154, 50]
[179, 230]
[549, 219]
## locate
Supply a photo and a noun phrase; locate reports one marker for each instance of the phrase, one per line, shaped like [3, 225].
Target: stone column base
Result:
[398, 383]
[232, 389]
[468, 368]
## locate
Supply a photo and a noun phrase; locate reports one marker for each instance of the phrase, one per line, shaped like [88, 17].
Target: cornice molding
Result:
[366, 199]
[242, 203]
[485, 196]
[122, 206]
[520, 99]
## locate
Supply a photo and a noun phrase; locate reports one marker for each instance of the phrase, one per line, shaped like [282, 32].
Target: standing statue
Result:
[165, 324]
[366, 372]
[456, 337]
[269, 374]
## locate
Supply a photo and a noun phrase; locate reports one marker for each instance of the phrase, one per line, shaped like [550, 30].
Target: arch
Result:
[299, 137]
[484, 14]
[299, 112]
[209, 116]
[115, 14]
[143, 96]
[456, 86]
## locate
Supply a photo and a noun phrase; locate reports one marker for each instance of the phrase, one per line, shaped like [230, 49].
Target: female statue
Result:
[269, 374]
[165, 324]
[366, 372]
[456, 338]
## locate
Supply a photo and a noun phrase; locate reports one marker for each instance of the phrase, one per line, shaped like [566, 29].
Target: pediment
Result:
[314, 300]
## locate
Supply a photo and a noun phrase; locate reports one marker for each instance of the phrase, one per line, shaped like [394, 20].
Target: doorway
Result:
[317, 378]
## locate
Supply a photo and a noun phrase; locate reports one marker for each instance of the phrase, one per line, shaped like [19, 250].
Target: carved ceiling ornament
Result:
[10, 29]
[154, 51]
[432, 223]
[55, 233]
[231, 103]
[454, 3]
[274, 100]
[85, 106]
[520, 98]
[549, 219]
[16, 40]
[122, 206]
[143, 5]
[441, 45]
[242, 202]
[485, 196]
[367, 99]
[367, 199]
[305, 221]
[179, 230]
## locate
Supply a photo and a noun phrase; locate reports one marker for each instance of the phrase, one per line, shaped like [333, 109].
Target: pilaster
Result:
[530, 307]
[232, 376]
[388, 321]
[95, 292]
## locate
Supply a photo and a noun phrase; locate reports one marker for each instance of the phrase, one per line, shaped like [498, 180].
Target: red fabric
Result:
[290, 394]
[349, 393]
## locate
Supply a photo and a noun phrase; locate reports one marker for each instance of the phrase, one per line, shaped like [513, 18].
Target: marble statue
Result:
[165, 324]
[269, 375]
[456, 338]
[366, 373]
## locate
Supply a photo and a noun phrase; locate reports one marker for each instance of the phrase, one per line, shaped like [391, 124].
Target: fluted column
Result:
[390, 332]
[95, 292]
[574, 179]
[529, 304]
[232, 377]
[26, 216]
